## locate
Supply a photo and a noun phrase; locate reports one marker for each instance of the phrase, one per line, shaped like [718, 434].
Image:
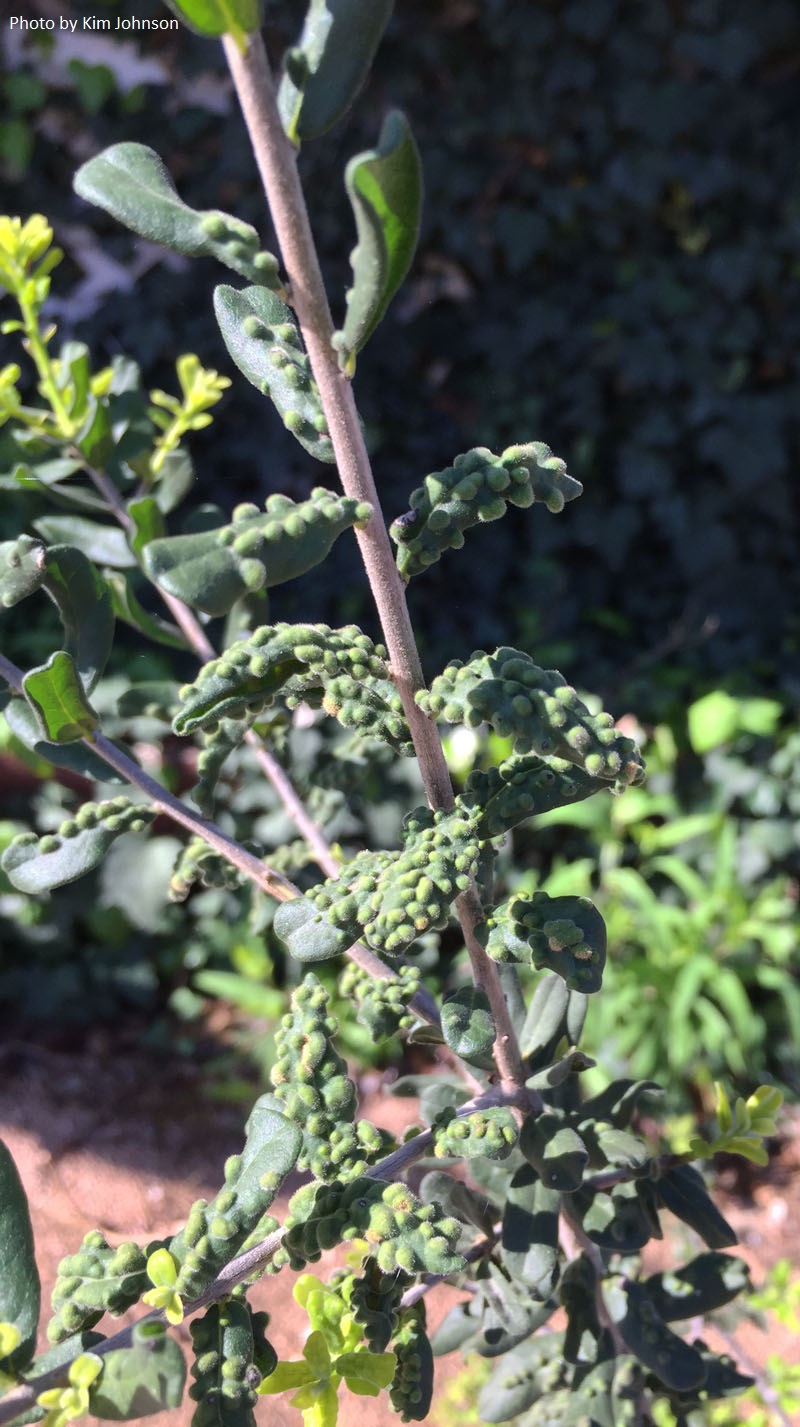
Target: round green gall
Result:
[254, 328]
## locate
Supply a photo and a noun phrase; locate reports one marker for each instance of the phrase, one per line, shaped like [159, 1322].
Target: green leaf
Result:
[35, 864]
[24, 725]
[127, 607]
[308, 934]
[546, 1014]
[131, 182]
[325, 71]
[366, 1373]
[138, 1381]
[468, 1026]
[104, 544]
[718, 717]
[530, 1233]
[673, 1361]
[214, 18]
[683, 1192]
[22, 569]
[384, 186]
[258, 549]
[556, 1151]
[709, 1282]
[148, 522]
[19, 1278]
[84, 605]
[57, 697]
[263, 340]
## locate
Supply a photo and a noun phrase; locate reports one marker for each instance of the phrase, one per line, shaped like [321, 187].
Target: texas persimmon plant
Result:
[533, 1196]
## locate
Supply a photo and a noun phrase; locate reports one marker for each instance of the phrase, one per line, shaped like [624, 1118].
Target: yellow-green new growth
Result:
[331, 1356]
[64, 1404]
[742, 1128]
[162, 1270]
[201, 388]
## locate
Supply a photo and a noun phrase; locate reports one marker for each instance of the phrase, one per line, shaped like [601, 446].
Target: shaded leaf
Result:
[325, 71]
[384, 186]
[138, 1381]
[19, 1279]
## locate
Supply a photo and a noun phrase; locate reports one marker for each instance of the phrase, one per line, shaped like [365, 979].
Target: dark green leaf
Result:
[19, 1278]
[697, 1288]
[105, 544]
[544, 1023]
[308, 934]
[325, 71]
[148, 522]
[673, 1361]
[138, 1381]
[509, 1314]
[263, 340]
[24, 725]
[530, 1233]
[56, 695]
[131, 182]
[619, 1101]
[556, 1151]
[84, 605]
[384, 186]
[683, 1192]
[556, 1074]
[127, 607]
[468, 1026]
[621, 1219]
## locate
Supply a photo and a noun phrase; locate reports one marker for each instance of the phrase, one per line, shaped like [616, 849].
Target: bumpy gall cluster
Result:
[197, 862]
[96, 1280]
[375, 1301]
[391, 898]
[258, 549]
[382, 1004]
[402, 1233]
[412, 1385]
[216, 1232]
[562, 934]
[476, 489]
[340, 670]
[489, 1133]
[523, 786]
[311, 1081]
[537, 708]
[225, 1369]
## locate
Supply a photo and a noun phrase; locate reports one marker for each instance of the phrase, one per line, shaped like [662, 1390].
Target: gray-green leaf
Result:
[19, 1279]
[37, 864]
[384, 186]
[263, 340]
[133, 184]
[325, 71]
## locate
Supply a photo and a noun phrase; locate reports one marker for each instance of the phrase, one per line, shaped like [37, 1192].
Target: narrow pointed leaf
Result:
[263, 340]
[325, 70]
[132, 183]
[384, 186]
[56, 695]
[19, 1278]
[37, 864]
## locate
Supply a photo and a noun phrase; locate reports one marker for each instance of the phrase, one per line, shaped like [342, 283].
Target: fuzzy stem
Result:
[277, 165]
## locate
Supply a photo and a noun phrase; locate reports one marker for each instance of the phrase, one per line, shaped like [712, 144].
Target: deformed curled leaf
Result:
[263, 339]
[58, 699]
[308, 934]
[134, 185]
[138, 1381]
[324, 72]
[476, 489]
[37, 864]
[384, 186]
